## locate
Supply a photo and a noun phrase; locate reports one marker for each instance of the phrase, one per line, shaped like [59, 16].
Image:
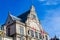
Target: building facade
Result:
[24, 27]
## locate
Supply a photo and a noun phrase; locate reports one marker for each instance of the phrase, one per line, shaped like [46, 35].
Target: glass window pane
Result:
[40, 36]
[32, 33]
[46, 38]
[36, 34]
[8, 31]
[21, 38]
[22, 30]
[0, 38]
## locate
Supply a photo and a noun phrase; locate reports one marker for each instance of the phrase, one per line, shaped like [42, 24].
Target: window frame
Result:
[40, 36]
[21, 38]
[31, 33]
[21, 30]
[36, 34]
[46, 37]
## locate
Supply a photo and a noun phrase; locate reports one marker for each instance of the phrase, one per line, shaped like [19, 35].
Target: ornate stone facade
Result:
[24, 27]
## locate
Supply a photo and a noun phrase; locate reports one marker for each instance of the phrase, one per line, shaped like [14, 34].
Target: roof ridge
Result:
[14, 17]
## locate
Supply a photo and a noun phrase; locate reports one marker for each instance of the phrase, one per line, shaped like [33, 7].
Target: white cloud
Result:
[51, 21]
[50, 2]
[59, 37]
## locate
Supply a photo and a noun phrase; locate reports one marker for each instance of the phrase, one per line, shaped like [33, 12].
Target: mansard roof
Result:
[24, 16]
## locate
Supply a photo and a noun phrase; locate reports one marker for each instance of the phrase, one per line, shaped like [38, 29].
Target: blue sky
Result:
[48, 12]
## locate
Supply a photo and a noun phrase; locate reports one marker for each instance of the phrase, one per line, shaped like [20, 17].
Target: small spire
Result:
[9, 13]
[32, 8]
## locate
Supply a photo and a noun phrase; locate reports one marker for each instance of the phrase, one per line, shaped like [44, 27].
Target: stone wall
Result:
[5, 38]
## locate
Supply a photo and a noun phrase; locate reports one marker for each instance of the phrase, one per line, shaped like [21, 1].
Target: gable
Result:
[9, 20]
[28, 14]
[33, 17]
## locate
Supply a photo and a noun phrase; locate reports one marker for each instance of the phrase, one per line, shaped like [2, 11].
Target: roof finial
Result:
[9, 13]
[32, 8]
